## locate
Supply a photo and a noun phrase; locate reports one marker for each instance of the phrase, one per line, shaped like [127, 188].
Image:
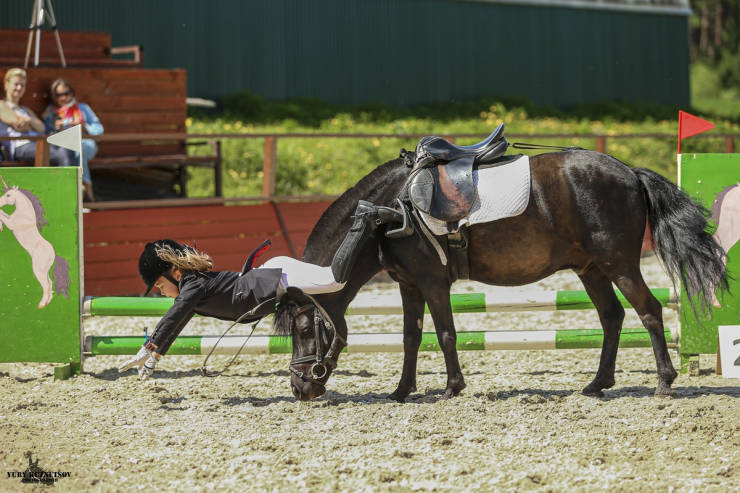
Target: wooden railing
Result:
[270, 156]
[269, 166]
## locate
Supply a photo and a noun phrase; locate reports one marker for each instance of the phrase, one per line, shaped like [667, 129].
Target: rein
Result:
[525, 145]
[203, 368]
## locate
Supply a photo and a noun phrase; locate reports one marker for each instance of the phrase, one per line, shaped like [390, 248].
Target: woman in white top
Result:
[25, 123]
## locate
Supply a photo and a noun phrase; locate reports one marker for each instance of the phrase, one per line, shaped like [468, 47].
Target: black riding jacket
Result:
[224, 295]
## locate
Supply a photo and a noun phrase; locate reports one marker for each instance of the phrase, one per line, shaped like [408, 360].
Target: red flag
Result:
[689, 125]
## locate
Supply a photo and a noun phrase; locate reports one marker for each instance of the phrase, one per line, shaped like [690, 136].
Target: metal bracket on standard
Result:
[690, 364]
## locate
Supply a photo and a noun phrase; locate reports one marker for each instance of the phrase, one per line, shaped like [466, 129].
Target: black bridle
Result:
[323, 328]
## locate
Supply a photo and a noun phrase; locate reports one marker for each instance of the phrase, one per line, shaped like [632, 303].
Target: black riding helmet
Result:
[151, 267]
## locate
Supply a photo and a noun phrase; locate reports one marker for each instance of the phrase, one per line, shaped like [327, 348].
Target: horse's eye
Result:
[303, 325]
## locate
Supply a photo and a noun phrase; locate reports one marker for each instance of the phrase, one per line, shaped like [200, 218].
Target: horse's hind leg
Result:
[413, 317]
[611, 315]
[651, 313]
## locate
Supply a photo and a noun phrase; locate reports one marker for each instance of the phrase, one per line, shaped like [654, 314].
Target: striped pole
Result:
[390, 304]
[377, 343]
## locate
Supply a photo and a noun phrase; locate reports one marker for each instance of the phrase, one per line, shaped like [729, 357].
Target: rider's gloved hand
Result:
[147, 369]
[138, 361]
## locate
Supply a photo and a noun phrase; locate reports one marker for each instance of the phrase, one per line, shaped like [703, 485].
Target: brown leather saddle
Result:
[441, 179]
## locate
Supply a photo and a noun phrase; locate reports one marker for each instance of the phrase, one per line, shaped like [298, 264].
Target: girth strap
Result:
[457, 248]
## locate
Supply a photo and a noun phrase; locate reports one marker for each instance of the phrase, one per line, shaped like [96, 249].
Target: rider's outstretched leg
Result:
[365, 222]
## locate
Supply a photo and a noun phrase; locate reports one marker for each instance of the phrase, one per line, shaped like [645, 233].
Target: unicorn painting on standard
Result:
[726, 215]
[25, 222]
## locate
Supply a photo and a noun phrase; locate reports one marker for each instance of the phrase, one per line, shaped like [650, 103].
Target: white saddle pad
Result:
[501, 191]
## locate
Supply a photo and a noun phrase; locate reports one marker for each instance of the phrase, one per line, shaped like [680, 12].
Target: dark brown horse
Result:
[587, 212]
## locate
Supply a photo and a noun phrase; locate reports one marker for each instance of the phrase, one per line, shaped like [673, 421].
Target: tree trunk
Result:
[704, 30]
[718, 25]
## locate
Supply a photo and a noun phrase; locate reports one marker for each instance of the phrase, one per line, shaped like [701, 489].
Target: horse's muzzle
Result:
[306, 386]
[305, 391]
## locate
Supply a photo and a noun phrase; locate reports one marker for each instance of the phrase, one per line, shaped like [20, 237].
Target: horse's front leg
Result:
[413, 319]
[441, 311]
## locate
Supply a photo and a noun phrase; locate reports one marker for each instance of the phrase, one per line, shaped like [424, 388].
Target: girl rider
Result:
[185, 274]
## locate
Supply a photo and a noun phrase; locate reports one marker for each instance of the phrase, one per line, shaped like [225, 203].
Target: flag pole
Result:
[679, 132]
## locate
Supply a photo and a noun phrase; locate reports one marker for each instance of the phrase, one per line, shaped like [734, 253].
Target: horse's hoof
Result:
[664, 391]
[398, 397]
[592, 391]
[453, 391]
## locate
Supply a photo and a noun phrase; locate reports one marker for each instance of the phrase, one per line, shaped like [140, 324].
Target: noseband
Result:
[322, 327]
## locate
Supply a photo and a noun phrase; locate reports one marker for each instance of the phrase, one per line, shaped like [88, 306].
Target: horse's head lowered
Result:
[314, 343]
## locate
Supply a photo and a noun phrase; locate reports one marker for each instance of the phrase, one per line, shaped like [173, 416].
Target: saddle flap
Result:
[421, 190]
[444, 192]
[454, 190]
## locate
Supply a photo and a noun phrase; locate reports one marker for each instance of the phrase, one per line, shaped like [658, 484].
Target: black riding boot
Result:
[362, 228]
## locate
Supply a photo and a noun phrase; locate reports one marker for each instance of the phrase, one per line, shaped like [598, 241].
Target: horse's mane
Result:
[38, 209]
[717, 204]
[324, 233]
[282, 323]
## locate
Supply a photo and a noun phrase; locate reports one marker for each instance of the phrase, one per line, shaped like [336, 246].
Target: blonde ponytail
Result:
[187, 259]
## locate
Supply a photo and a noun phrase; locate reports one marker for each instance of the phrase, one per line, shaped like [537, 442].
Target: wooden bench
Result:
[114, 239]
[81, 49]
[144, 151]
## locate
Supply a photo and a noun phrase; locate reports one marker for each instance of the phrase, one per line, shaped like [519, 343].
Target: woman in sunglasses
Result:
[17, 120]
[66, 112]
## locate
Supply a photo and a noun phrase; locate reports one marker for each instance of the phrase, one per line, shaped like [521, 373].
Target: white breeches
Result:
[309, 278]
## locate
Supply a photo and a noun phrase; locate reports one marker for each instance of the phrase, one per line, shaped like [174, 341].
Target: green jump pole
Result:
[367, 304]
[376, 343]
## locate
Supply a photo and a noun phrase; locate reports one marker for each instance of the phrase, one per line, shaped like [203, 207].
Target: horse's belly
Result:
[512, 252]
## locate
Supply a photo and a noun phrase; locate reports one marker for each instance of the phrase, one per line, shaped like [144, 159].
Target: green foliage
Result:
[331, 165]
[710, 94]
[715, 38]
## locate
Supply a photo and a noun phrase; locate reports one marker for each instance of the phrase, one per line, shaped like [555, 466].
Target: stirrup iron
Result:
[406, 229]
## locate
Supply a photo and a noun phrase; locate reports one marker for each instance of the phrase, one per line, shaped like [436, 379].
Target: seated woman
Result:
[181, 272]
[25, 123]
[67, 112]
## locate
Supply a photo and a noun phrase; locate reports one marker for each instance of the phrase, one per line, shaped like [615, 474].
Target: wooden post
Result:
[182, 176]
[729, 144]
[719, 362]
[218, 171]
[284, 229]
[42, 153]
[601, 144]
[269, 167]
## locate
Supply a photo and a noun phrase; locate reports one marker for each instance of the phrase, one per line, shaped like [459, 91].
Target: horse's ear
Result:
[407, 157]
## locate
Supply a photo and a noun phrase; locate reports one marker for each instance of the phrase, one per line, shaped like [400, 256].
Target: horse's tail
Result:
[687, 250]
[61, 276]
